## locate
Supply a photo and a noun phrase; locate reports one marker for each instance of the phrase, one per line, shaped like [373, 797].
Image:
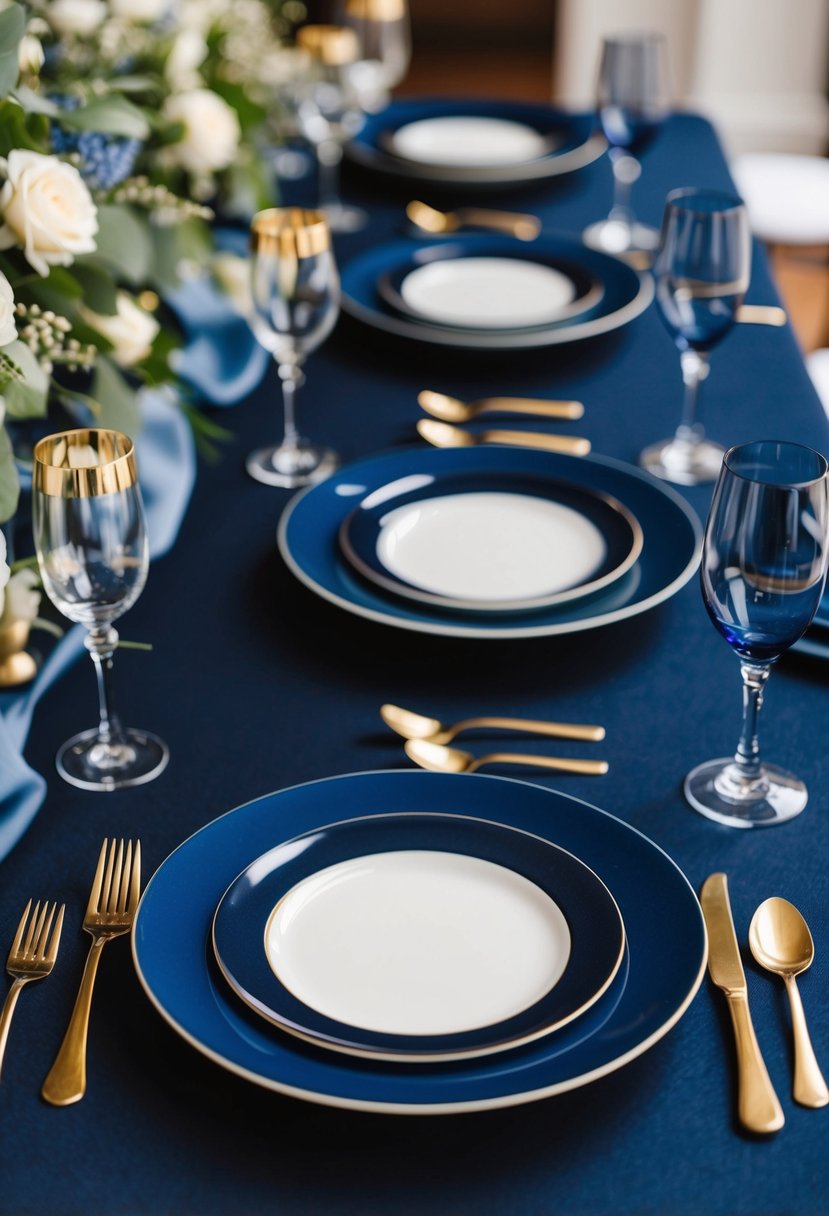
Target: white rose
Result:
[47, 209]
[131, 330]
[8, 329]
[30, 55]
[211, 130]
[77, 16]
[188, 52]
[139, 10]
[22, 598]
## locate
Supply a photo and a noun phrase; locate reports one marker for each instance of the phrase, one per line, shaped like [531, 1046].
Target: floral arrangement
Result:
[123, 125]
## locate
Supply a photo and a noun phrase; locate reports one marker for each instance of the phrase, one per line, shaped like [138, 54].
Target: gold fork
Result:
[109, 913]
[31, 958]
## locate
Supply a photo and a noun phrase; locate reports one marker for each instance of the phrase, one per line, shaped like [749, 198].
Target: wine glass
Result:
[91, 543]
[702, 272]
[329, 114]
[295, 301]
[763, 570]
[384, 37]
[633, 103]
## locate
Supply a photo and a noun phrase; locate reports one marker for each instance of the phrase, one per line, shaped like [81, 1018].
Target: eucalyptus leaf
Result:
[114, 115]
[12, 28]
[98, 287]
[36, 103]
[29, 398]
[9, 478]
[19, 129]
[125, 243]
[119, 408]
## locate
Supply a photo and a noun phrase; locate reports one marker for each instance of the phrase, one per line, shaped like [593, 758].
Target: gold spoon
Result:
[450, 409]
[417, 726]
[441, 759]
[442, 435]
[781, 942]
[513, 223]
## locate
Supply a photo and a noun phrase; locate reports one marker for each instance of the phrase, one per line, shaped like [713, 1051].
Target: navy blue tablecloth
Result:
[257, 685]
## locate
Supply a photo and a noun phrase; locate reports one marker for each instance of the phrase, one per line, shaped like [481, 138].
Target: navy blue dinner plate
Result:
[663, 923]
[596, 947]
[672, 538]
[361, 532]
[624, 292]
[573, 141]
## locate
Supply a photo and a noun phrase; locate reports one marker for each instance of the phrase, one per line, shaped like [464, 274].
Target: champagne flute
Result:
[633, 103]
[91, 543]
[329, 114]
[763, 571]
[384, 36]
[702, 273]
[295, 301]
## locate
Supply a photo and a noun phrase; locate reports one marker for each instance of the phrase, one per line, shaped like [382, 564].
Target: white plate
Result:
[468, 142]
[344, 942]
[497, 293]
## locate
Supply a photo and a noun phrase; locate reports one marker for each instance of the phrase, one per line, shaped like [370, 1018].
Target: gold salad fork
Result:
[109, 913]
[32, 957]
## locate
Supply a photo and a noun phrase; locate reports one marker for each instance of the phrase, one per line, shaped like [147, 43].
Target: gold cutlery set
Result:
[440, 431]
[426, 742]
[113, 901]
[780, 942]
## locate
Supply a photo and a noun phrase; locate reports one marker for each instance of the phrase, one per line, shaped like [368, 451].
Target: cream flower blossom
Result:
[47, 209]
[139, 10]
[8, 329]
[211, 130]
[131, 330]
[5, 573]
[76, 16]
[22, 598]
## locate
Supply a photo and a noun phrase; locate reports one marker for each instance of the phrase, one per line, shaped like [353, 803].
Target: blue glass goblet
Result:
[702, 272]
[763, 570]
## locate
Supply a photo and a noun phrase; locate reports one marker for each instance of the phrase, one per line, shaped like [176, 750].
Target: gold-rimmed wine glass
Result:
[295, 301]
[383, 32]
[91, 544]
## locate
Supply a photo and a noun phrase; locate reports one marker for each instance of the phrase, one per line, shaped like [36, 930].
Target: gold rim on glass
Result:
[83, 463]
[334, 45]
[376, 10]
[290, 232]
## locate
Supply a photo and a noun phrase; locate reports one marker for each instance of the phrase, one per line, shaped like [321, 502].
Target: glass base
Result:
[615, 236]
[343, 218]
[92, 764]
[298, 465]
[685, 464]
[715, 791]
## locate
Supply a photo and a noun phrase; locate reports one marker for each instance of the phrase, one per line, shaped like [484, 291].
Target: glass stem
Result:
[329, 156]
[101, 644]
[626, 169]
[747, 756]
[292, 378]
[695, 368]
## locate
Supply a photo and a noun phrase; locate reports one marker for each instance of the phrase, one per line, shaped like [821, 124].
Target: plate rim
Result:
[481, 608]
[424, 1109]
[449, 629]
[413, 1057]
[473, 166]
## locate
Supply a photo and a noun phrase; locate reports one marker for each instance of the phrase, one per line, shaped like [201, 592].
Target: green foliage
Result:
[12, 28]
[9, 479]
[19, 128]
[26, 398]
[113, 114]
[118, 406]
[97, 285]
[125, 243]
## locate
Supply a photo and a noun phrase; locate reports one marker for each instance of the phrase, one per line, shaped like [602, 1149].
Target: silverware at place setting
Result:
[440, 759]
[443, 435]
[513, 223]
[781, 943]
[31, 957]
[450, 409]
[417, 726]
[757, 1104]
[113, 901]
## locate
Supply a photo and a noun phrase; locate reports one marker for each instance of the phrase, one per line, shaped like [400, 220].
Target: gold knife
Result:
[757, 1104]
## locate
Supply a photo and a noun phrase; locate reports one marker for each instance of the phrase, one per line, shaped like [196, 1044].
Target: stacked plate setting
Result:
[485, 943]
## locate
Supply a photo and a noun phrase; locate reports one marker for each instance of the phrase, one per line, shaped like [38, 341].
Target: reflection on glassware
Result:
[329, 114]
[763, 571]
[702, 273]
[633, 103]
[295, 301]
[384, 36]
[91, 544]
